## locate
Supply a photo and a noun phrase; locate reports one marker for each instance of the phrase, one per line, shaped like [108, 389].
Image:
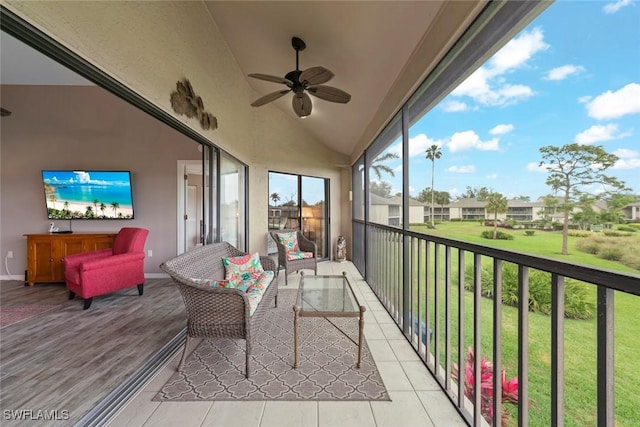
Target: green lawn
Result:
[580, 335]
[543, 243]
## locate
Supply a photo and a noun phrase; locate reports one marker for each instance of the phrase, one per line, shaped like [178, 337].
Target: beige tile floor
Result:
[416, 398]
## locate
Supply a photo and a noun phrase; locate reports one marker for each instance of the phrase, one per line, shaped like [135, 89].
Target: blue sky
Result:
[572, 75]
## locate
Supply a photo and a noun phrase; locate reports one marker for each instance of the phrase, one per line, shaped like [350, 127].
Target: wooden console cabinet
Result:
[46, 252]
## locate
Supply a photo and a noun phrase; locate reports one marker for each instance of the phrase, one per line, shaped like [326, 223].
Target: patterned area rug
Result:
[13, 314]
[326, 371]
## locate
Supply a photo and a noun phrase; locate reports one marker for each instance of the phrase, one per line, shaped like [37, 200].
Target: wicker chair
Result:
[305, 245]
[216, 312]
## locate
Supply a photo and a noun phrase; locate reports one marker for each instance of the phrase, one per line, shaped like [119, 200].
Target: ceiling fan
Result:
[300, 83]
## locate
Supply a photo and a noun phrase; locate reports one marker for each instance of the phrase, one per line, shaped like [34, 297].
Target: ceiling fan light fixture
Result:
[302, 83]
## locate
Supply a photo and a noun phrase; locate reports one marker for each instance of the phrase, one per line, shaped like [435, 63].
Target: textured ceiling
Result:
[379, 51]
[366, 44]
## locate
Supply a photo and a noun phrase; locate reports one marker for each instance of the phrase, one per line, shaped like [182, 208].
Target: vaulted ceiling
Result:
[379, 52]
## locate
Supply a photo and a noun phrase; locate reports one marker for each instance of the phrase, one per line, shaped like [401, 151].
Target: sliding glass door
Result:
[300, 202]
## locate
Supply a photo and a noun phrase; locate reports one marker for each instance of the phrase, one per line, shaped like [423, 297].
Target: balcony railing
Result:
[420, 279]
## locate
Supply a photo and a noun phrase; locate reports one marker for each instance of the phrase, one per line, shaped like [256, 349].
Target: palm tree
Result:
[378, 167]
[89, 212]
[115, 206]
[95, 205]
[433, 153]
[496, 203]
[102, 208]
[275, 197]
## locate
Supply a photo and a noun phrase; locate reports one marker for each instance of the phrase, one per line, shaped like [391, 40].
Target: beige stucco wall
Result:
[148, 46]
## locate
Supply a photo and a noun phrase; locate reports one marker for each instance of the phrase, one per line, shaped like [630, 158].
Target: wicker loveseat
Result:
[214, 312]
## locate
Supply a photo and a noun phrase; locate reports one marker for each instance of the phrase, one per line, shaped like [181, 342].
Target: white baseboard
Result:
[20, 277]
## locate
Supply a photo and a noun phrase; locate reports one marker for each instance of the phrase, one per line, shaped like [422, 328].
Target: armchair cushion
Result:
[293, 255]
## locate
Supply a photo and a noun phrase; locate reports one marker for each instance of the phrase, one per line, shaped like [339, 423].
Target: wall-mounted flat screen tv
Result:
[88, 194]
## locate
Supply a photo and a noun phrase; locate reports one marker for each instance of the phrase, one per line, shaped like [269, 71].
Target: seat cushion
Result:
[293, 255]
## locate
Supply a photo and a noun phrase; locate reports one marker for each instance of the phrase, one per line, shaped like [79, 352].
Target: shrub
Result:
[579, 304]
[488, 234]
[627, 228]
[611, 253]
[589, 246]
[575, 233]
[615, 233]
[529, 232]
[631, 258]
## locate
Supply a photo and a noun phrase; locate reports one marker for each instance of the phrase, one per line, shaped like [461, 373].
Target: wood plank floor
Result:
[69, 359]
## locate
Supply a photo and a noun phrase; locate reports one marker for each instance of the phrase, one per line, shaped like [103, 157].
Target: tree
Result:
[275, 197]
[496, 203]
[378, 167]
[479, 193]
[433, 153]
[102, 208]
[442, 198]
[95, 205]
[382, 188]
[572, 168]
[115, 206]
[615, 204]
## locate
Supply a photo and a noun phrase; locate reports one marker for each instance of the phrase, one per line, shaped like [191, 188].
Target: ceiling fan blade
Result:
[315, 76]
[329, 93]
[269, 97]
[270, 78]
[302, 104]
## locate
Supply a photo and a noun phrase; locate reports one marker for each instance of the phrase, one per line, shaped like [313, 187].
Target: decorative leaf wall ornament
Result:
[185, 102]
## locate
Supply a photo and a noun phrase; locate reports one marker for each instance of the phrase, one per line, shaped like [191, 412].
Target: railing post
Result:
[497, 342]
[557, 350]
[606, 349]
[523, 346]
[477, 341]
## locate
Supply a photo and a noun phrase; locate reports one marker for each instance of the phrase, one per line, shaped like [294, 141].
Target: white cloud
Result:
[561, 73]
[625, 153]
[612, 105]
[518, 51]
[453, 106]
[492, 176]
[629, 159]
[610, 8]
[462, 169]
[585, 99]
[627, 164]
[469, 140]
[535, 167]
[598, 133]
[501, 129]
[486, 87]
[419, 144]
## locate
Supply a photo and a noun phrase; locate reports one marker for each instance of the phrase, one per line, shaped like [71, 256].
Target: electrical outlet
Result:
[149, 253]
[10, 254]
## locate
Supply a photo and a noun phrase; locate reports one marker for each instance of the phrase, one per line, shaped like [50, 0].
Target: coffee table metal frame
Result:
[347, 306]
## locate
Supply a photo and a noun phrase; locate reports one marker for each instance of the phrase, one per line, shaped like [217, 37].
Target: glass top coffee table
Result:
[327, 296]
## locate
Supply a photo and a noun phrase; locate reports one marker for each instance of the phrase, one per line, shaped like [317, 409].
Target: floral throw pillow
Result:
[289, 241]
[242, 269]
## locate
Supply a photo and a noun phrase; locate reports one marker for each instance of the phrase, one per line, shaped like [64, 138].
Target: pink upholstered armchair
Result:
[100, 272]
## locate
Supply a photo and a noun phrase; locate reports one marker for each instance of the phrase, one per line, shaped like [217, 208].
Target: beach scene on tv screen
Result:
[88, 194]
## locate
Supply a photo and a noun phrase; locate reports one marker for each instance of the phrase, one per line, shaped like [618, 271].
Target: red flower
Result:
[509, 387]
